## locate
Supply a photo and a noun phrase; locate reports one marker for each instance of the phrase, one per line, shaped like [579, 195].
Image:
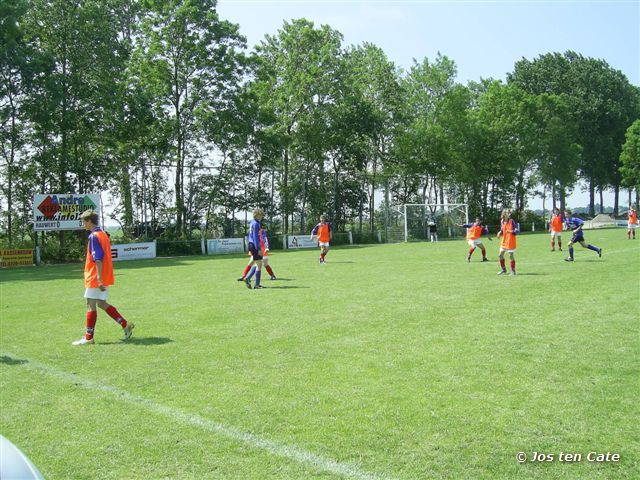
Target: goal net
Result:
[420, 221]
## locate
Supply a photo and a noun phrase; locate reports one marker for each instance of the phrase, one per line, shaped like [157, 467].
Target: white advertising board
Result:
[61, 211]
[220, 246]
[133, 251]
[301, 241]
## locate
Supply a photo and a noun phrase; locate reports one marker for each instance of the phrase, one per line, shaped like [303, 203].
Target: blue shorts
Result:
[256, 254]
[578, 237]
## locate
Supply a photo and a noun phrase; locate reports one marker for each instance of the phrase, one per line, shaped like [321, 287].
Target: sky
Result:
[484, 38]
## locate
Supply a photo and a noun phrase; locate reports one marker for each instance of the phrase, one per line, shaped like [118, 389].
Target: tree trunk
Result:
[592, 197]
[285, 194]
[601, 200]
[616, 198]
[125, 191]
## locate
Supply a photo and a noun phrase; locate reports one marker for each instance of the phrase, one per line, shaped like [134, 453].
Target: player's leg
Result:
[267, 267]
[484, 253]
[472, 248]
[258, 273]
[91, 319]
[245, 272]
[512, 261]
[560, 242]
[127, 327]
[553, 241]
[591, 247]
[503, 268]
[570, 257]
[323, 253]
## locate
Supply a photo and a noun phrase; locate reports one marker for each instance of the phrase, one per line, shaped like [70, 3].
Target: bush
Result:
[172, 248]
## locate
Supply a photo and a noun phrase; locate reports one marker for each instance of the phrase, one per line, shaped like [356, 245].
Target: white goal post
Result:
[447, 215]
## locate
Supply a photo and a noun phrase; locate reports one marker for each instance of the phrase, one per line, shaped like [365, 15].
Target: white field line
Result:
[289, 452]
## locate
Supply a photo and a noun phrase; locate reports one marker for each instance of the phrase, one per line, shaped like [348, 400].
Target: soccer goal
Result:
[421, 220]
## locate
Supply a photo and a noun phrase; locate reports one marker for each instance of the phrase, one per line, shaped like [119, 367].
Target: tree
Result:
[189, 59]
[295, 78]
[603, 102]
[13, 70]
[630, 159]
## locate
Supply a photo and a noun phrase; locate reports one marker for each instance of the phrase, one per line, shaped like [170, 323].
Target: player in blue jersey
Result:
[577, 235]
[253, 240]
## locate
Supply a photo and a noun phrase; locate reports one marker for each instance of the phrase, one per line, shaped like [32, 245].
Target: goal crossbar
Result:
[462, 207]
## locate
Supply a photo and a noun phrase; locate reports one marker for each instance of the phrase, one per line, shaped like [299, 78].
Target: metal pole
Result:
[406, 231]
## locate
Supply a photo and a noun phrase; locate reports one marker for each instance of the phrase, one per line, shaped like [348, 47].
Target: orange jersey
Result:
[323, 231]
[474, 232]
[633, 216]
[264, 243]
[90, 266]
[556, 223]
[509, 230]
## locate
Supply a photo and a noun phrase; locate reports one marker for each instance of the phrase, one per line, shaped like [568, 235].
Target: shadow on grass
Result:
[144, 341]
[12, 361]
[273, 287]
[339, 261]
[530, 273]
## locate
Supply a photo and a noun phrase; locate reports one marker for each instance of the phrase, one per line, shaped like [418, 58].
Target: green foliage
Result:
[160, 104]
[630, 157]
[601, 99]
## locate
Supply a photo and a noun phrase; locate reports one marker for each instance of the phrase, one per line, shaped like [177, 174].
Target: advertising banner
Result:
[61, 211]
[301, 241]
[221, 246]
[16, 257]
[133, 251]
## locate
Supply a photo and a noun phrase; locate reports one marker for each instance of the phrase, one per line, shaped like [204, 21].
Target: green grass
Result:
[391, 361]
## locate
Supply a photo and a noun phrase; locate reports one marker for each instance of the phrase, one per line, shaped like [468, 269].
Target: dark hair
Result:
[90, 215]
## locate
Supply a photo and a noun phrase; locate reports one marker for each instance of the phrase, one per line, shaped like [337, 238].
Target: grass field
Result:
[391, 361]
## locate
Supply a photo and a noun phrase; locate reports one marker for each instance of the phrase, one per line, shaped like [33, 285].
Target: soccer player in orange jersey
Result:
[98, 275]
[324, 232]
[555, 228]
[509, 228]
[474, 232]
[632, 224]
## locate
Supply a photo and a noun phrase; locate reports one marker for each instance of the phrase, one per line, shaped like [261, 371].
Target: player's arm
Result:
[314, 232]
[330, 232]
[486, 232]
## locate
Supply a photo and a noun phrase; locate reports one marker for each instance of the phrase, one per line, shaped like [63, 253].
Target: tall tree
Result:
[14, 73]
[603, 102]
[189, 58]
[630, 159]
[294, 78]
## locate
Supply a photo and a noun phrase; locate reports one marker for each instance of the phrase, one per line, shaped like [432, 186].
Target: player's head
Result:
[567, 213]
[323, 218]
[478, 221]
[556, 211]
[506, 214]
[258, 214]
[632, 207]
[89, 219]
